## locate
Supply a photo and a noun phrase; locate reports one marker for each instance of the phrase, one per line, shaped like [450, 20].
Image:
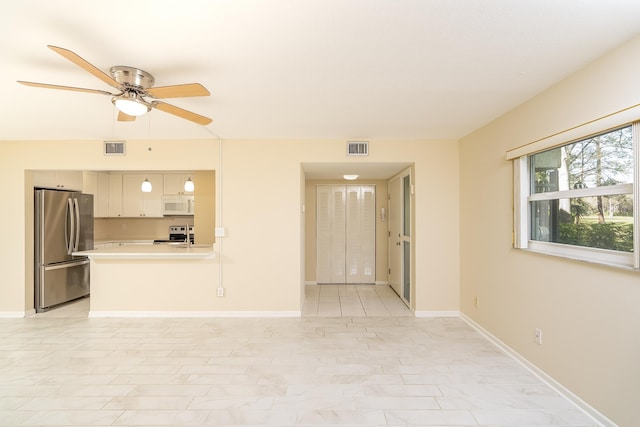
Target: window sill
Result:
[603, 257]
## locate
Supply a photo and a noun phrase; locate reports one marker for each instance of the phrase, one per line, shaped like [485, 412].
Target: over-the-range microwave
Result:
[178, 205]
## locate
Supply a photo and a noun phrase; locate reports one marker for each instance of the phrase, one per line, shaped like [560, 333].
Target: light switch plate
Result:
[221, 232]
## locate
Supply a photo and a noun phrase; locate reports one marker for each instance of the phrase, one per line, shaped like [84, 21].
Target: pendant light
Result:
[146, 186]
[189, 186]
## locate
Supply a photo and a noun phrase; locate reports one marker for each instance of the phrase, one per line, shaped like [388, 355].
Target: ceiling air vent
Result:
[357, 148]
[114, 148]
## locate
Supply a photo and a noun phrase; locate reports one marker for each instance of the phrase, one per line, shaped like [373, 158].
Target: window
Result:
[577, 199]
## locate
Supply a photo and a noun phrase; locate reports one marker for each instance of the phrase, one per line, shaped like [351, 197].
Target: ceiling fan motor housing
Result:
[131, 77]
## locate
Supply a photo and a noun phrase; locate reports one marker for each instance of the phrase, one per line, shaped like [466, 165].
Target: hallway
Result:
[348, 300]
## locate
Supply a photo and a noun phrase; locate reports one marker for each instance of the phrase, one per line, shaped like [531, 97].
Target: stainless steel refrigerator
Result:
[63, 225]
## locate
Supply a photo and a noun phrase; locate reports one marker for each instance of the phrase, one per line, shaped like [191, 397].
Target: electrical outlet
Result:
[538, 336]
[220, 292]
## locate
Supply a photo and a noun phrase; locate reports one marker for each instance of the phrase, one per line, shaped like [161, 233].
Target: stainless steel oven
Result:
[178, 234]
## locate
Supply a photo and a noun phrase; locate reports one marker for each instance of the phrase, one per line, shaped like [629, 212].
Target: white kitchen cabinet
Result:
[102, 203]
[135, 203]
[174, 183]
[58, 179]
[90, 184]
[115, 195]
[97, 183]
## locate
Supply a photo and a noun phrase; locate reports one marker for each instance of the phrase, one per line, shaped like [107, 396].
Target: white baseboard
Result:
[437, 313]
[544, 377]
[293, 313]
[16, 314]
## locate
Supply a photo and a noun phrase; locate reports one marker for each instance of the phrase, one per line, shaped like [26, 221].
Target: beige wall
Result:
[588, 313]
[382, 261]
[260, 197]
[205, 213]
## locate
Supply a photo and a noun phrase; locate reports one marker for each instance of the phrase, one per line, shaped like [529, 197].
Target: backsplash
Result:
[136, 228]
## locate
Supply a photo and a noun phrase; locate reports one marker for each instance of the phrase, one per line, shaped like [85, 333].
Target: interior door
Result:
[323, 234]
[400, 193]
[330, 234]
[338, 235]
[345, 234]
[395, 233]
[360, 233]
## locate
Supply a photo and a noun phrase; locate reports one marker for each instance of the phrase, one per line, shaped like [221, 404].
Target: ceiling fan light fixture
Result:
[131, 104]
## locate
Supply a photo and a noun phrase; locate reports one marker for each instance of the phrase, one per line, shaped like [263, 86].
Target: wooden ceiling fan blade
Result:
[76, 89]
[176, 111]
[122, 117]
[178, 91]
[85, 65]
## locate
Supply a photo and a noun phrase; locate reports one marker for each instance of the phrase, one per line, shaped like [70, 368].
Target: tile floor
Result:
[353, 300]
[63, 369]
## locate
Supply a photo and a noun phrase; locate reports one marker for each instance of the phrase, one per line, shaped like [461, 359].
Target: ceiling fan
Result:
[133, 85]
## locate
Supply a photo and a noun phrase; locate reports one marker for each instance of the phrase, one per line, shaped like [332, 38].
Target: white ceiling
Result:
[301, 69]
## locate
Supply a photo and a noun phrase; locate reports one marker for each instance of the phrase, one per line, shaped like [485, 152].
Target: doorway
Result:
[345, 234]
[400, 192]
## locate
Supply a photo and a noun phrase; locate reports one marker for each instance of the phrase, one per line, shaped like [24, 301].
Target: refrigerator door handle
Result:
[66, 265]
[77, 215]
[71, 233]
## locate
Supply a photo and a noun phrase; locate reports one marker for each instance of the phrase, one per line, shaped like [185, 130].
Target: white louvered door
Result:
[323, 233]
[367, 235]
[345, 234]
[338, 238]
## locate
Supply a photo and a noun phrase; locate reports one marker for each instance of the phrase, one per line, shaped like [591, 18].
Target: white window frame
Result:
[522, 212]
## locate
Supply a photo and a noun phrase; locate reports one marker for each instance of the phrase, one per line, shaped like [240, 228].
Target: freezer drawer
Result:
[61, 283]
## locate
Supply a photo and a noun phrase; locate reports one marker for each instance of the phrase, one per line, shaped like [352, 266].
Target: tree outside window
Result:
[584, 192]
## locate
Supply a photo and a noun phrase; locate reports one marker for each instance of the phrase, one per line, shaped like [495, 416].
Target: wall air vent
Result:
[357, 148]
[114, 148]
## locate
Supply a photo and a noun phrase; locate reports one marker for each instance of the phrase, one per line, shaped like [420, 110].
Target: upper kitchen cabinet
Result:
[58, 179]
[115, 195]
[135, 203]
[97, 183]
[174, 183]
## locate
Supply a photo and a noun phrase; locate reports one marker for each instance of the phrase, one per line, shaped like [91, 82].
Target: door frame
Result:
[398, 209]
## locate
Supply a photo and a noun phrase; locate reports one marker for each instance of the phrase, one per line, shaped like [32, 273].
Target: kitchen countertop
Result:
[134, 251]
[123, 242]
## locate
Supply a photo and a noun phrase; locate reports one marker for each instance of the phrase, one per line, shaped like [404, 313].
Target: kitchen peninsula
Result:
[151, 280]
